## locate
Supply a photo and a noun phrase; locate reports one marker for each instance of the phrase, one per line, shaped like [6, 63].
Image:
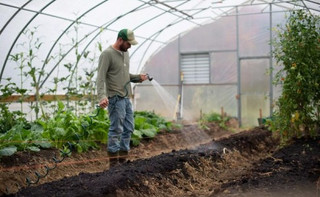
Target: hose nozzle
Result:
[150, 78]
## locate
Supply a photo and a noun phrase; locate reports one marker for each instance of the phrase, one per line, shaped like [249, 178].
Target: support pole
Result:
[238, 70]
[181, 97]
[271, 64]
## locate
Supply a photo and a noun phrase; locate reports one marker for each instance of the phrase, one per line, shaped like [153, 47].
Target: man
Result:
[114, 91]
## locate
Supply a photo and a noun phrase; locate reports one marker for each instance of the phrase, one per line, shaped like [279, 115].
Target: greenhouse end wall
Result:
[249, 64]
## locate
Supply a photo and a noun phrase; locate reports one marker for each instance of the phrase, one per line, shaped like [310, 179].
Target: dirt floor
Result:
[186, 162]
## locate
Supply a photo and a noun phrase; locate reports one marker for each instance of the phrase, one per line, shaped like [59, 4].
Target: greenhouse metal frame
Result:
[155, 22]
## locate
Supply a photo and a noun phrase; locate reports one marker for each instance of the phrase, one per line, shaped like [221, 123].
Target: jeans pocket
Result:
[113, 100]
[112, 103]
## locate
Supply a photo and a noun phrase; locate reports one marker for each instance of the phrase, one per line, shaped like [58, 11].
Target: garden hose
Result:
[64, 154]
[126, 88]
[135, 81]
[56, 161]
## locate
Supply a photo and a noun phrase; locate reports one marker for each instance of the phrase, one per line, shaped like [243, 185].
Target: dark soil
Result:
[291, 171]
[15, 169]
[248, 163]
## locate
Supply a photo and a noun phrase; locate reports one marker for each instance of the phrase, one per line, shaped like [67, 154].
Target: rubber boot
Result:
[123, 156]
[113, 159]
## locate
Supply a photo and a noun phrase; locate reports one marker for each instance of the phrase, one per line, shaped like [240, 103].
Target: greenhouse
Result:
[211, 72]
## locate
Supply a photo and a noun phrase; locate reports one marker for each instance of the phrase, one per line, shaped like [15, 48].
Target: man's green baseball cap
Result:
[127, 35]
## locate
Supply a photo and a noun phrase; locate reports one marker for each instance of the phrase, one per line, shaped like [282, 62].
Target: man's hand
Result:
[104, 103]
[143, 77]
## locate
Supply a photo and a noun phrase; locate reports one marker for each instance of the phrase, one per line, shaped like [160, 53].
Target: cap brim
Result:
[133, 42]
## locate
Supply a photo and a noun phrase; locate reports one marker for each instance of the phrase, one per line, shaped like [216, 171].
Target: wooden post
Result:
[222, 113]
[260, 117]
[260, 113]
[32, 98]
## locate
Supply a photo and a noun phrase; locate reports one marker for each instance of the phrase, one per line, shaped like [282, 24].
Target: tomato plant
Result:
[297, 50]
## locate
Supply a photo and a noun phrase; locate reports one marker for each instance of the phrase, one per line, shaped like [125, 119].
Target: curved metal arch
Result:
[153, 34]
[158, 33]
[5, 62]
[105, 27]
[154, 2]
[145, 52]
[19, 9]
[83, 51]
[55, 43]
[200, 10]
[151, 19]
[89, 43]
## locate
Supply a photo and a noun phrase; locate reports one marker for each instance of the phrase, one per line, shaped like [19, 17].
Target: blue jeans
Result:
[121, 124]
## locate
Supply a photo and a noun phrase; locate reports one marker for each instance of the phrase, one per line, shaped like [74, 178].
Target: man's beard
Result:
[122, 48]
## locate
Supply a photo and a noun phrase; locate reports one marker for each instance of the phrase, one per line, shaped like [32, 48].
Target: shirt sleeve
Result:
[103, 67]
[135, 78]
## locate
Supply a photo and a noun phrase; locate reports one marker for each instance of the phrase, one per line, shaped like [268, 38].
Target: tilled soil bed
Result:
[248, 163]
[15, 169]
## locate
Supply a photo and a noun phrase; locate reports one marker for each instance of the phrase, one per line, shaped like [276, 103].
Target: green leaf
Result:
[8, 151]
[148, 126]
[139, 122]
[137, 133]
[100, 46]
[162, 127]
[33, 148]
[43, 144]
[60, 106]
[149, 132]
[135, 141]
[78, 57]
[169, 125]
[79, 148]
[38, 128]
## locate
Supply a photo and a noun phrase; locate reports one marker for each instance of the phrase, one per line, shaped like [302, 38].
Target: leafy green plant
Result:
[20, 61]
[22, 136]
[213, 117]
[9, 118]
[79, 85]
[83, 133]
[25, 61]
[34, 45]
[148, 124]
[297, 50]
[63, 131]
[68, 132]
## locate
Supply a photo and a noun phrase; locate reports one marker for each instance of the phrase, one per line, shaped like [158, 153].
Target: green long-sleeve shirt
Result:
[113, 74]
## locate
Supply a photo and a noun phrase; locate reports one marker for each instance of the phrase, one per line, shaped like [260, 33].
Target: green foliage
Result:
[147, 125]
[8, 151]
[64, 131]
[297, 49]
[34, 45]
[9, 118]
[68, 132]
[213, 117]
[22, 136]
[83, 133]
